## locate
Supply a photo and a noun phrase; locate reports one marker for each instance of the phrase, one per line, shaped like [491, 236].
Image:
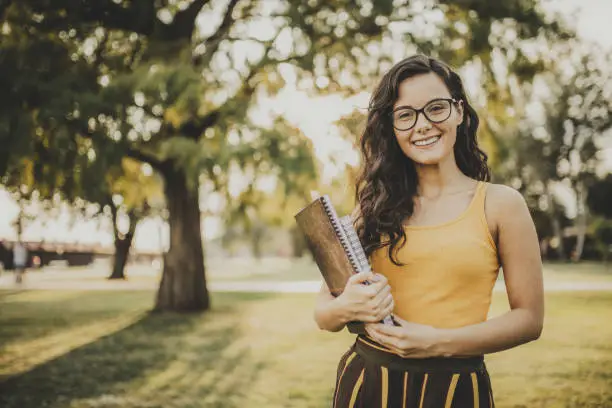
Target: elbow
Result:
[320, 324]
[537, 331]
[320, 321]
[536, 328]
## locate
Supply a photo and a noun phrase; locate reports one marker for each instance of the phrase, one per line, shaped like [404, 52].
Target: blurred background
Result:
[153, 155]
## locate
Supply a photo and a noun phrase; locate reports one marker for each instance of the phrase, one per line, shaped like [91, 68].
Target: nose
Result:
[422, 124]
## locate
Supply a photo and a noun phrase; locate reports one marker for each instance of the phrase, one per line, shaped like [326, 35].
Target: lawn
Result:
[283, 270]
[102, 349]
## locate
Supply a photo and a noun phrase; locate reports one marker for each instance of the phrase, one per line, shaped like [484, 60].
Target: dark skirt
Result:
[370, 377]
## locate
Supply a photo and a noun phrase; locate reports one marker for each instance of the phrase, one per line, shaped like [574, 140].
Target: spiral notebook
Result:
[335, 247]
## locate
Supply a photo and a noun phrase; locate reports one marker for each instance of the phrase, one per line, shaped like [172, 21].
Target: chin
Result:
[430, 161]
[429, 158]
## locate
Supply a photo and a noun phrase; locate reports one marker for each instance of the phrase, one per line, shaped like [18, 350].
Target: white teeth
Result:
[428, 141]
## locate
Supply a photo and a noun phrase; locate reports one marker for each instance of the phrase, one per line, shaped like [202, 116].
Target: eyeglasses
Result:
[436, 111]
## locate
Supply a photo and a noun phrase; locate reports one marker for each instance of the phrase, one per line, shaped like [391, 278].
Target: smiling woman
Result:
[436, 232]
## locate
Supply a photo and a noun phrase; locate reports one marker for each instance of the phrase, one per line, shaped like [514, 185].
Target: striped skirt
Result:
[369, 377]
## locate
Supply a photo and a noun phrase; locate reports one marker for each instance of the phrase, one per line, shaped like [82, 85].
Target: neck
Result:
[441, 178]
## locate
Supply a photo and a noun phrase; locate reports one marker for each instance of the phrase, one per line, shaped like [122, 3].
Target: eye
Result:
[404, 115]
[436, 107]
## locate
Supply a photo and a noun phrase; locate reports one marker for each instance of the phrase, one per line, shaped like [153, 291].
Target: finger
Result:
[381, 283]
[369, 329]
[384, 309]
[380, 302]
[368, 292]
[389, 331]
[387, 341]
[381, 296]
[386, 301]
[360, 277]
[371, 318]
[375, 335]
[379, 278]
[387, 310]
[399, 320]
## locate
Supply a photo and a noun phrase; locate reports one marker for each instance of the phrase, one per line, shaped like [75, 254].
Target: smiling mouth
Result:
[426, 142]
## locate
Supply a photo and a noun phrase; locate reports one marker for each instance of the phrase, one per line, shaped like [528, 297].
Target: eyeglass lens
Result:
[435, 111]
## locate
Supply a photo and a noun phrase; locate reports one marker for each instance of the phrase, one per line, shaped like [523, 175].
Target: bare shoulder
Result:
[504, 196]
[504, 203]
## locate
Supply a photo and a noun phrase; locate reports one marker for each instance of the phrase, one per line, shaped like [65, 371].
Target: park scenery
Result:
[153, 155]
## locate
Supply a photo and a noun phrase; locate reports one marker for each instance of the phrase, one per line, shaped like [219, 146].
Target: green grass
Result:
[574, 272]
[289, 270]
[305, 269]
[103, 349]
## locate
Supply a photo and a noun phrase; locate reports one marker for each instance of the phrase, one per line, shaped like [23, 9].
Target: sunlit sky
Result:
[592, 17]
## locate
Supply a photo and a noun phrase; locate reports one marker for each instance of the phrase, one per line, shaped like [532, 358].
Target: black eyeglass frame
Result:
[451, 101]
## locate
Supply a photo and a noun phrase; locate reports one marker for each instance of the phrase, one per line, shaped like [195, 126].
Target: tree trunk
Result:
[122, 252]
[123, 244]
[556, 225]
[183, 283]
[257, 236]
[581, 222]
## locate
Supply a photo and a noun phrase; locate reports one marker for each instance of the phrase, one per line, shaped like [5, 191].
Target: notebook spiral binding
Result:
[355, 244]
[345, 240]
[350, 242]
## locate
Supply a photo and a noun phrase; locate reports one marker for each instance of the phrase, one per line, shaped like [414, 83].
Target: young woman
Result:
[436, 233]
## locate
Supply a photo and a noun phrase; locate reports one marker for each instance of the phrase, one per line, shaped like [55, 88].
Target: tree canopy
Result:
[174, 84]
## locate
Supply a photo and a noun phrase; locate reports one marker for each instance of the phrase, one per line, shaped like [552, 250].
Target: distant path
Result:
[33, 283]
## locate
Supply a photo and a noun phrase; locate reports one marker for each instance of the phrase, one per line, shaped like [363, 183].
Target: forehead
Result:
[416, 91]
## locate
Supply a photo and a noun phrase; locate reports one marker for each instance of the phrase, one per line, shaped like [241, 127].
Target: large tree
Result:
[45, 105]
[176, 80]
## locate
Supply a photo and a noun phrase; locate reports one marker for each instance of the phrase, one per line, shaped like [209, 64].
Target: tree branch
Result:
[131, 151]
[145, 158]
[212, 43]
[195, 128]
[138, 17]
[184, 21]
[4, 4]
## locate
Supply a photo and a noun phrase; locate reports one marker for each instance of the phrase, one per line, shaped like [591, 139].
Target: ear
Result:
[460, 108]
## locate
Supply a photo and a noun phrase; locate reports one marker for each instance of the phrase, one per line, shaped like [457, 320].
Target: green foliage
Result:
[151, 90]
[601, 230]
[561, 143]
[600, 197]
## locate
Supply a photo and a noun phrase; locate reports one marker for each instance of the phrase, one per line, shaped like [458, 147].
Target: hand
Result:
[366, 303]
[408, 340]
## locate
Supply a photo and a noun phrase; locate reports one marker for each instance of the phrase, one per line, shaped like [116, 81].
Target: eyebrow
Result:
[426, 103]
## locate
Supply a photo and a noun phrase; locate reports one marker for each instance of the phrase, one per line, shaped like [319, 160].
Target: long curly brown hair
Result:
[387, 182]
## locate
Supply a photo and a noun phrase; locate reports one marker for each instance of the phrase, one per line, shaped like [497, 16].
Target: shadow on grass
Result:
[28, 314]
[162, 360]
[6, 293]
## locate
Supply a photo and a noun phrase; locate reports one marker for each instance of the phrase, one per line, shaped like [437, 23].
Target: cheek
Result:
[403, 140]
[451, 135]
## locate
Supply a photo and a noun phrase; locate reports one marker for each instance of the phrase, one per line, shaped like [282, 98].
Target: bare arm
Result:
[519, 253]
[328, 313]
[520, 257]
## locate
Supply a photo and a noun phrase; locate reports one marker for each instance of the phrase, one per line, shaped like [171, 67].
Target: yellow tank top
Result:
[449, 269]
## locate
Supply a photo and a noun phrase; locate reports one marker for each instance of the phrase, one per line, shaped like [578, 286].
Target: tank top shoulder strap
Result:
[477, 211]
[479, 197]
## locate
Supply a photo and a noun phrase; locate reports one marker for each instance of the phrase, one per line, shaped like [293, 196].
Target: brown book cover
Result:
[334, 246]
[321, 233]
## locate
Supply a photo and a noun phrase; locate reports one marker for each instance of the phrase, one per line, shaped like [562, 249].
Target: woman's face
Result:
[426, 142]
